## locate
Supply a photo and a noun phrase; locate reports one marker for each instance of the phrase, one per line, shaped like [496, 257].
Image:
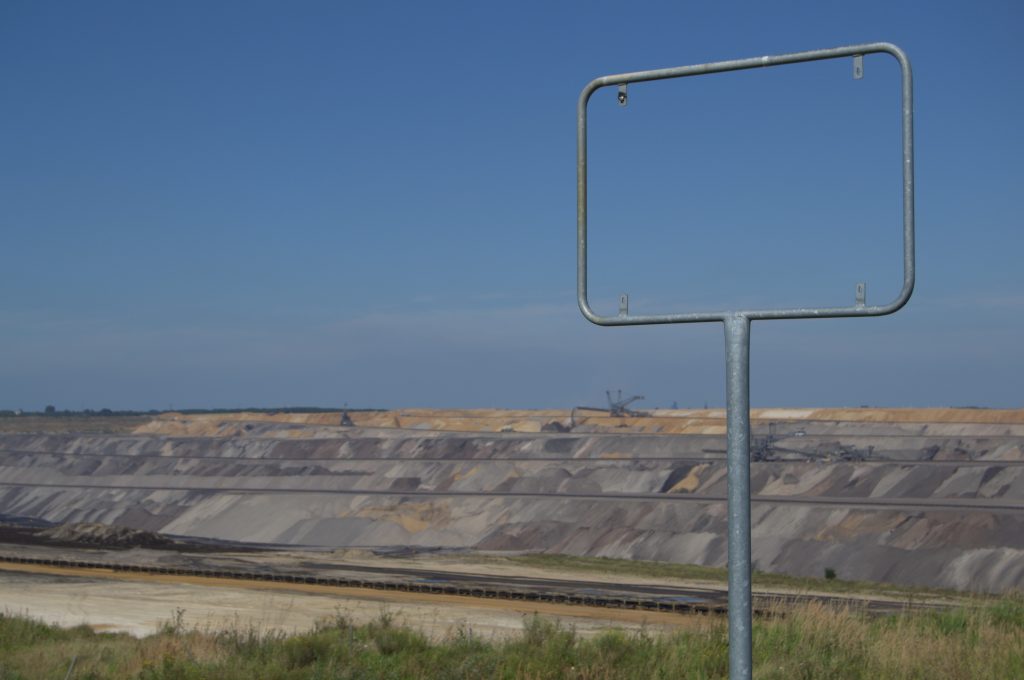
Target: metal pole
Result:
[737, 396]
[737, 323]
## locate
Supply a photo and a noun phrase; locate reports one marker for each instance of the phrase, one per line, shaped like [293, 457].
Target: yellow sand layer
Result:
[677, 421]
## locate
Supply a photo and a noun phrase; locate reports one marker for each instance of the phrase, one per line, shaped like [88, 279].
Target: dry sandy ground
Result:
[497, 565]
[141, 604]
[678, 421]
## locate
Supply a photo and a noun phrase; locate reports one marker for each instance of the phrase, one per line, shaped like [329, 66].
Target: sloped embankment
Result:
[933, 504]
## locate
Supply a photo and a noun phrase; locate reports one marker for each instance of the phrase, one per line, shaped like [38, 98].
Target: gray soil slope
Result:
[938, 503]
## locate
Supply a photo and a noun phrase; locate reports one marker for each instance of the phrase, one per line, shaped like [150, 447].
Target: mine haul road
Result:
[356, 580]
[810, 457]
[922, 504]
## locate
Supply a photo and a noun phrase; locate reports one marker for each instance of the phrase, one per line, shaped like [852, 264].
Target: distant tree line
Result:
[51, 411]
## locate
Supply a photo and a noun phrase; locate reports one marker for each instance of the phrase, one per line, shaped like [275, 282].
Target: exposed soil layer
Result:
[91, 535]
[140, 604]
[106, 536]
[907, 496]
[488, 576]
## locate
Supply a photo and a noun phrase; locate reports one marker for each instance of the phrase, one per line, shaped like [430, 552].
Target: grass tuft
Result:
[811, 641]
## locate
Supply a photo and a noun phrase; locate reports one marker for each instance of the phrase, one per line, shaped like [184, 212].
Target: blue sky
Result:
[229, 204]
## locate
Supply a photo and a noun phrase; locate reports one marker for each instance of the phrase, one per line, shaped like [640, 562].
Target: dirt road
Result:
[141, 603]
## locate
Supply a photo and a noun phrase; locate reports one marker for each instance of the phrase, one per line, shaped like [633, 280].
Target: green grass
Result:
[809, 642]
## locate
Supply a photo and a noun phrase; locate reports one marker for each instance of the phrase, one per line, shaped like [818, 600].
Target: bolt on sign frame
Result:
[737, 322]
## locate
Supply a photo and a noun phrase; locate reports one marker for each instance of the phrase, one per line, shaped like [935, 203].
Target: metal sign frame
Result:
[737, 323]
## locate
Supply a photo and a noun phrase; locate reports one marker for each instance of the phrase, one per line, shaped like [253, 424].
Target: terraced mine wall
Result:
[925, 503]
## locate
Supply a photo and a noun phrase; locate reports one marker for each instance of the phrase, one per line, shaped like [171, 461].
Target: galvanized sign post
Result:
[737, 323]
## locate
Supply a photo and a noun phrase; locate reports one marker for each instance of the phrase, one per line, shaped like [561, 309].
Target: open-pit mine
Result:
[906, 496]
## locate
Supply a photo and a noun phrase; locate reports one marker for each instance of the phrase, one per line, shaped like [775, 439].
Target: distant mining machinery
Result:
[346, 419]
[766, 449]
[619, 407]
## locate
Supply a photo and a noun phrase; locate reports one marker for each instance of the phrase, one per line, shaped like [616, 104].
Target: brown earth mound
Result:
[660, 421]
[106, 536]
